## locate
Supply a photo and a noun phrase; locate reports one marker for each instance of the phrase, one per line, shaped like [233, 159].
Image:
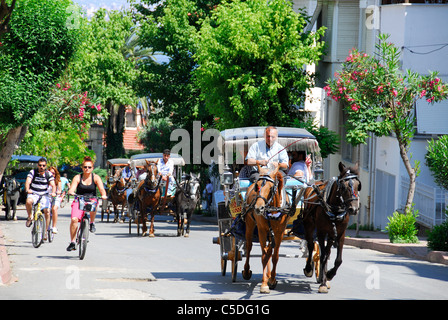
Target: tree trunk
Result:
[9, 144]
[411, 172]
[5, 15]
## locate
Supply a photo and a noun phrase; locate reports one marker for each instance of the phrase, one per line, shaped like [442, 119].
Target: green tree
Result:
[169, 28]
[62, 126]
[33, 54]
[252, 58]
[437, 160]
[101, 69]
[380, 98]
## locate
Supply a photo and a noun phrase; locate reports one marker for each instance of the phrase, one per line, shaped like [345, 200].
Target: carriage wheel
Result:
[223, 266]
[103, 209]
[234, 257]
[316, 261]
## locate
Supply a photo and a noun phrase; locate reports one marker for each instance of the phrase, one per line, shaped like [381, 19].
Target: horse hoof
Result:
[187, 235]
[247, 274]
[151, 235]
[323, 289]
[144, 234]
[308, 274]
[265, 289]
[272, 284]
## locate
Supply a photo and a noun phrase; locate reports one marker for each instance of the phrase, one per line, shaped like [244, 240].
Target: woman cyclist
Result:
[84, 184]
[57, 202]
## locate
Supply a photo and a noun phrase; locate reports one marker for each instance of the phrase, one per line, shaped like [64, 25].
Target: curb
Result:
[411, 251]
[6, 276]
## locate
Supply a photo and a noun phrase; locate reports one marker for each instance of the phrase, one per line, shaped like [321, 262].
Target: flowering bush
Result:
[67, 105]
[377, 95]
[380, 98]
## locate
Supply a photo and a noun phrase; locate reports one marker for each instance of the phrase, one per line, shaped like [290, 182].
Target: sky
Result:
[90, 6]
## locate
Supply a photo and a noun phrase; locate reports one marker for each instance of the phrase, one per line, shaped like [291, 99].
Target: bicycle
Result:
[86, 205]
[38, 230]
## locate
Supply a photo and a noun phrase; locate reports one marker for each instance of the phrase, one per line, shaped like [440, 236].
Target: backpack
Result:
[36, 172]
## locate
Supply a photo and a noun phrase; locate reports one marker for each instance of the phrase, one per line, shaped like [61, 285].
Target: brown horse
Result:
[148, 196]
[263, 197]
[117, 194]
[327, 209]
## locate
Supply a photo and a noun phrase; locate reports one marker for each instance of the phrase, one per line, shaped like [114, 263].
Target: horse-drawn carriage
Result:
[116, 188]
[275, 206]
[152, 195]
[232, 212]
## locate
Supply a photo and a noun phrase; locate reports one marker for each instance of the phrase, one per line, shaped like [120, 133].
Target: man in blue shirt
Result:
[265, 152]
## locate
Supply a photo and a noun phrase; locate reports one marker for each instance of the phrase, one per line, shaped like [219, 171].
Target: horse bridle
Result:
[338, 212]
[351, 185]
[266, 178]
[150, 183]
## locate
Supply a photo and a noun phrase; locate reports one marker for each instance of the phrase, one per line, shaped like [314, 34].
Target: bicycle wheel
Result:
[37, 234]
[83, 238]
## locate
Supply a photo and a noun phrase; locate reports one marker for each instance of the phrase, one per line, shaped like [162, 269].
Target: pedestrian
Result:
[209, 190]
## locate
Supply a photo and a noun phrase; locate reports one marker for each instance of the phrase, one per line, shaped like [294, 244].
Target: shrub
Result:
[438, 237]
[402, 227]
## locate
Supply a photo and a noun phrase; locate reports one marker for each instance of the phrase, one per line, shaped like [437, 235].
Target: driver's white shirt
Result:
[260, 151]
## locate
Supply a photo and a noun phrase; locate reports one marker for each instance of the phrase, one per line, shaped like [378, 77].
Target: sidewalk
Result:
[379, 241]
[6, 276]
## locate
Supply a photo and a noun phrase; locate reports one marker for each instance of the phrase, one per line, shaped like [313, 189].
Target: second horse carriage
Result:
[280, 195]
[151, 195]
[116, 188]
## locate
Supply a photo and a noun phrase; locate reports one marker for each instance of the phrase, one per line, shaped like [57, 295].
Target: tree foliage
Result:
[169, 27]
[380, 98]
[33, 54]
[101, 69]
[437, 160]
[251, 58]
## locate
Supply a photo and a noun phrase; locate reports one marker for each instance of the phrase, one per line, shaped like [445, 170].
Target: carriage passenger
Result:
[300, 165]
[267, 151]
[165, 167]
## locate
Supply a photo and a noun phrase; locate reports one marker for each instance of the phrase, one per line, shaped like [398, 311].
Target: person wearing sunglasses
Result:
[36, 186]
[85, 184]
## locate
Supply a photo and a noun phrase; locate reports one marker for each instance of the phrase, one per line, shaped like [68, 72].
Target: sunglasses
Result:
[87, 167]
[42, 165]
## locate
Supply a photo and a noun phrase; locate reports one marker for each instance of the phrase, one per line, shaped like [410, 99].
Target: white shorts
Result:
[45, 200]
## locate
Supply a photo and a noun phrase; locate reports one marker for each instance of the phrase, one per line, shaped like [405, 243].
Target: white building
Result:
[420, 29]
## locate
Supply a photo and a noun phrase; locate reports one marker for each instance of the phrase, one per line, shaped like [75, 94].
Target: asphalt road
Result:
[123, 266]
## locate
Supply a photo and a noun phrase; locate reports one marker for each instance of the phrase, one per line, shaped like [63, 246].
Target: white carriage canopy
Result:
[293, 139]
[139, 160]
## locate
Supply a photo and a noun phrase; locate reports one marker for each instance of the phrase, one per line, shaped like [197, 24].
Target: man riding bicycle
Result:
[36, 186]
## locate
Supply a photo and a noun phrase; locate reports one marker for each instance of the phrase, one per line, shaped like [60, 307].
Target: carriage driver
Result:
[165, 167]
[267, 151]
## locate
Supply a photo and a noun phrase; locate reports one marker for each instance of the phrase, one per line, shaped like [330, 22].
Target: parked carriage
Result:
[231, 212]
[138, 164]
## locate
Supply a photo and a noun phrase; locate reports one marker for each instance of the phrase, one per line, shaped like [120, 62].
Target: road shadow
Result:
[217, 285]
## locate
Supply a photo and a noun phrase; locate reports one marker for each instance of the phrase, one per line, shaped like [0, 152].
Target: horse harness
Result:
[339, 211]
[273, 191]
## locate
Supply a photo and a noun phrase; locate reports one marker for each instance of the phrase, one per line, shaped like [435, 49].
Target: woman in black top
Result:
[84, 184]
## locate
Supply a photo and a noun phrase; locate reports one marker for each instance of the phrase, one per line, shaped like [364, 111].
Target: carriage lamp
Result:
[227, 176]
[318, 171]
